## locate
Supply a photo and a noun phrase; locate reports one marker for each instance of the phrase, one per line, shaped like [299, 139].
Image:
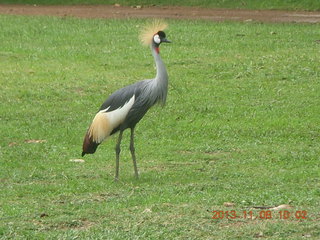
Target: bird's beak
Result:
[165, 40]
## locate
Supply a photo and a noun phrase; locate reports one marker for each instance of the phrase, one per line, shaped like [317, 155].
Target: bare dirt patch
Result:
[107, 11]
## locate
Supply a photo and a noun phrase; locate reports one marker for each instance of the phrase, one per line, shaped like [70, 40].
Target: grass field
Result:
[241, 125]
[243, 4]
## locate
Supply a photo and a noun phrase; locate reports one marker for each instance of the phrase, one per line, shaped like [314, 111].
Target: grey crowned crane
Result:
[127, 106]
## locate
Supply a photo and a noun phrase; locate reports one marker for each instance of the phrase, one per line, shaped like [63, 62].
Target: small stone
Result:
[147, 210]
[77, 160]
[229, 204]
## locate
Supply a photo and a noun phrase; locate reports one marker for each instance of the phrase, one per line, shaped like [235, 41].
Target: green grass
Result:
[243, 4]
[241, 125]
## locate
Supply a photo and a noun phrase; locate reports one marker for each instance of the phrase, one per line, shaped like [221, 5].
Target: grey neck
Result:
[162, 74]
[161, 79]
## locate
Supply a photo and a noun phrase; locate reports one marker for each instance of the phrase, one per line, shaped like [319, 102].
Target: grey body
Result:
[146, 94]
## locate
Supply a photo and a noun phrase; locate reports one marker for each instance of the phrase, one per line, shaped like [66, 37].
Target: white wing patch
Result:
[116, 117]
[104, 122]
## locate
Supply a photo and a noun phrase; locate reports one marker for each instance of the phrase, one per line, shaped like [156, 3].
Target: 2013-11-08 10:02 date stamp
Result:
[262, 214]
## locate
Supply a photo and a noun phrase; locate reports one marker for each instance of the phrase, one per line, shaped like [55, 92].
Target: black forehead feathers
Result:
[161, 34]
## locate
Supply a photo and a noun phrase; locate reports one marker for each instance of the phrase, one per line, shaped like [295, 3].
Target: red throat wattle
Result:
[158, 50]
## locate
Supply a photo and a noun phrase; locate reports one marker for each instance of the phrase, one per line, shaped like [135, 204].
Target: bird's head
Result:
[159, 38]
[153, 34]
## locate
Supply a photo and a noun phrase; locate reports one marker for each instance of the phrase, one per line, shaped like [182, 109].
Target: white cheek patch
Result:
[156, 39]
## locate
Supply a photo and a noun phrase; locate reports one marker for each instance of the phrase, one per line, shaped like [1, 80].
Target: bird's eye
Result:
[156, 39]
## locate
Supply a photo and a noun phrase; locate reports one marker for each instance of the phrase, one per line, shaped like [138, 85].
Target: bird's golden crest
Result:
[147, 33]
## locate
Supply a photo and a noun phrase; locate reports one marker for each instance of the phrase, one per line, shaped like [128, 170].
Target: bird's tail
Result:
[98, 131]
[89, 146]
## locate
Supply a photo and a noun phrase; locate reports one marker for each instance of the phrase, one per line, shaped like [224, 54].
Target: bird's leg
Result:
[118, 155]
[132, 150]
